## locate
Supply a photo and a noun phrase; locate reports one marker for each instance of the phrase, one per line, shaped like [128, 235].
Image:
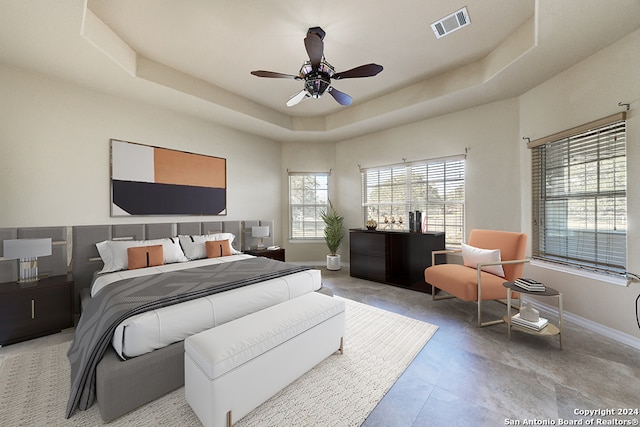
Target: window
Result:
[308, 197]
[434, 187]
[579, 180]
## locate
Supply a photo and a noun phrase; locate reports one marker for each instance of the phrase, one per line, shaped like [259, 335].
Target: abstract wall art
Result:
[147, 180]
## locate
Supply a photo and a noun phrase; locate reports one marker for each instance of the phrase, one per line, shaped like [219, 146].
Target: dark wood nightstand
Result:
[277, 254]
[30, 310]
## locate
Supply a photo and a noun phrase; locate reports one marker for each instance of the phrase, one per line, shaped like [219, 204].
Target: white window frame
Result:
[579, 215]
[435, 187]
[306, 204]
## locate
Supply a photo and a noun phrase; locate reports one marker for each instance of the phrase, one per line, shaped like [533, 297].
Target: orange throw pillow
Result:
[218, 248]
[145, 256]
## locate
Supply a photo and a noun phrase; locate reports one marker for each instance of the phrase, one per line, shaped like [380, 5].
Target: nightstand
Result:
[30, 310]
[277, 254]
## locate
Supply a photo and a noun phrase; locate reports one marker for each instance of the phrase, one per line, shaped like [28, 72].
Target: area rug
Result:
[340, 391]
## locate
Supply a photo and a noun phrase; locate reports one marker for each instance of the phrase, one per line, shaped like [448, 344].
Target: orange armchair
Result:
[471, 282]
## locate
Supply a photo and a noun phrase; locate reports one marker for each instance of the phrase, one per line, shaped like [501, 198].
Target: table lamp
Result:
[260, 232]
[27, 251]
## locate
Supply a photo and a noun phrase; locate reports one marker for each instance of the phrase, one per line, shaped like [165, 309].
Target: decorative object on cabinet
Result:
[371, 224]
[27, 251]
[147, 180]
[393, 257]
[479, 280]
[29, 311]
[260, 232]
[332, 236]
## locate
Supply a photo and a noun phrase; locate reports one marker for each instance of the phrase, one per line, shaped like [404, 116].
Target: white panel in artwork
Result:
[131, 162]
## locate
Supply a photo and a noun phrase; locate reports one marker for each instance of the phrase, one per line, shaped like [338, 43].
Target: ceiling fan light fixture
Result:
[316, 80]
[316, 86]
[317, 72]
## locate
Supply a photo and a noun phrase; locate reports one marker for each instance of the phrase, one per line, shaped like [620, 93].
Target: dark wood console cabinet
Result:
[393, 257]
[35, 309]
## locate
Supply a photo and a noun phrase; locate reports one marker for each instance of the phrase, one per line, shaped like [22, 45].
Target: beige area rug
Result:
[340, 391]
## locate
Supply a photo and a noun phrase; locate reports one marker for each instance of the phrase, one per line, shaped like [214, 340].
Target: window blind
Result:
[579, 199]
[308, 197]
[434, 187]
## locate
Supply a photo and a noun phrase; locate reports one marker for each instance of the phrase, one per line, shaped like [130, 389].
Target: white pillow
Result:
[194, 245]
[473, 256]
[115, 257]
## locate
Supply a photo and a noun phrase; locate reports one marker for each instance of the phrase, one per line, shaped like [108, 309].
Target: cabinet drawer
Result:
[394, 257]
[35, 311]
[372, 244]
[369, 267]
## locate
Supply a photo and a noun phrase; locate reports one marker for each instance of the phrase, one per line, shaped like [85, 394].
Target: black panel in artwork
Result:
[146, 198]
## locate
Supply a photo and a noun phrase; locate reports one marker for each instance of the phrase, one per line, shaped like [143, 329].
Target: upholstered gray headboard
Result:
[78, 244]
[86, 259]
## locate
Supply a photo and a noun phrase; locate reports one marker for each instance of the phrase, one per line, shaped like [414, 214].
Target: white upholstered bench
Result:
[233, 368]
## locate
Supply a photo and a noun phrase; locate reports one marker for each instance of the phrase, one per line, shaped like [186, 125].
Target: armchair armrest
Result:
[440, 252]
[480, 265]
[512, 261]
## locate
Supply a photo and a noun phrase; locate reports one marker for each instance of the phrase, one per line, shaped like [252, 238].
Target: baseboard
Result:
[590, 325]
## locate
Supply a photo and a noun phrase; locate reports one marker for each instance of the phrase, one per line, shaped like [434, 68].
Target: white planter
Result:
[333, 262]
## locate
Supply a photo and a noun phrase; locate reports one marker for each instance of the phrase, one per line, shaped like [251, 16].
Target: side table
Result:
[30, 310]
[277, 254]
[549, 330]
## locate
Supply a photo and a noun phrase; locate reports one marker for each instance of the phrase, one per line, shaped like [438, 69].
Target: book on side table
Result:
[530, 285]
[536, 326]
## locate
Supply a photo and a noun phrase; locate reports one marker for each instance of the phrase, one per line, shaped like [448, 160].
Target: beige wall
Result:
[498, 190]
[54, 153]
[306, 157]
[54, 160]
[492, 190]
[492, 175]
[591, 90]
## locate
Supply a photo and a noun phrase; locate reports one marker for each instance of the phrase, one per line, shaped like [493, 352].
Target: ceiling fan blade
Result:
[315, 49]
[273, 74]
[341, 97]
[368, 70]
[295, 99]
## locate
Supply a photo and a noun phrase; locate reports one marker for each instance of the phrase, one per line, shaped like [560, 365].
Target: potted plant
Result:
[332, 236]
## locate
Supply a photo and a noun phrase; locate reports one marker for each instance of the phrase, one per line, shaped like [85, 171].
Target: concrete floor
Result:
[470, 376]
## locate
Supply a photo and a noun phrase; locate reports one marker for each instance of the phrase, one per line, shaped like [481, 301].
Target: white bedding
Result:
[155, 329]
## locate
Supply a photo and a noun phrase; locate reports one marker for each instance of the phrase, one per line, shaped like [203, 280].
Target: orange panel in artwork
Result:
[180, 168]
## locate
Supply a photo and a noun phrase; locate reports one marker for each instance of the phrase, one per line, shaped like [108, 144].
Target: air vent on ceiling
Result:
[451, 23]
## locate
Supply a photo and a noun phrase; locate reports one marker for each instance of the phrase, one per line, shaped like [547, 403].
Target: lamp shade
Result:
[260, 231]
[26, 248]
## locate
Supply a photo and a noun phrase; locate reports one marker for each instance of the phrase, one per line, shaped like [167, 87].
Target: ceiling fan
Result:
[317, 73]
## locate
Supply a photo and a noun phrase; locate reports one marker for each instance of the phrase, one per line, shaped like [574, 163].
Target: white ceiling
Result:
[195, 56]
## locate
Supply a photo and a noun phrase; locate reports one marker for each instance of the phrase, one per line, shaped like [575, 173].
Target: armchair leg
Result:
[482, 324]
[439, 297]
[448, 296]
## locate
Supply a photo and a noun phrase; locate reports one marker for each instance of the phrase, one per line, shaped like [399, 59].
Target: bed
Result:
[144, 363]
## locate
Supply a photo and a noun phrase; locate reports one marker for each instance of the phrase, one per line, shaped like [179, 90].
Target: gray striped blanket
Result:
[129, 297]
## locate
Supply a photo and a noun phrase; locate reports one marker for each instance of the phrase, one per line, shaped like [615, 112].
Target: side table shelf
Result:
[550, 329]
